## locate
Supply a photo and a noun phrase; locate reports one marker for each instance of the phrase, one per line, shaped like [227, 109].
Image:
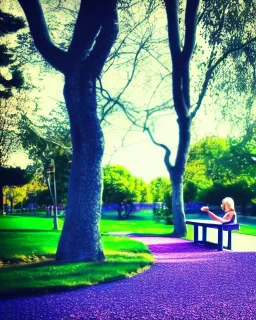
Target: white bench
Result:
[229, 227]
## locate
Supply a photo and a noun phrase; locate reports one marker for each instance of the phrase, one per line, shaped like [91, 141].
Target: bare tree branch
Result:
[166, 149]
[211, 70]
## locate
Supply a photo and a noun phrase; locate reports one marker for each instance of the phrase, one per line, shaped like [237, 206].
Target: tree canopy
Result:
[217, 166]
[121, 187]
[11, 177]
[11, 80]
[161, 190]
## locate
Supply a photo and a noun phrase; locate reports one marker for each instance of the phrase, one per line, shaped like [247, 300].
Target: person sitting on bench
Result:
[228, 206]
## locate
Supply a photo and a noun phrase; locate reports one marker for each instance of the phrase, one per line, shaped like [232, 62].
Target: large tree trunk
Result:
[94, 34]
[80, 238]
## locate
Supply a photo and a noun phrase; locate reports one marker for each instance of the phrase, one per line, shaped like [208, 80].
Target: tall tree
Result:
[227, 42]
[95, 31]
[224, 42]
[179, 100]
[11, 79]
[181, 56]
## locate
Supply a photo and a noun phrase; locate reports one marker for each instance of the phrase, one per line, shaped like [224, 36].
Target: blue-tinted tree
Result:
[94, 33]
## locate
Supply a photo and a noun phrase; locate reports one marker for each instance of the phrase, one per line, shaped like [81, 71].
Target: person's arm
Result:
[227, 217]
[214, 217]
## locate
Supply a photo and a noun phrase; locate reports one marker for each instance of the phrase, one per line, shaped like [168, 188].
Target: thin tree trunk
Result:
[119, 210]
[177, 175]
[180, 56]
[1, 200]
[11, 206]
[178, 204]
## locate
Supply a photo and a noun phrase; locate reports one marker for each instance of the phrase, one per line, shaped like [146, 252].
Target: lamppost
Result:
[50, 171]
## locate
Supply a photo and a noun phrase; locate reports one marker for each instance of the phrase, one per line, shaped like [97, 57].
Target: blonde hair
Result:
[230, 202]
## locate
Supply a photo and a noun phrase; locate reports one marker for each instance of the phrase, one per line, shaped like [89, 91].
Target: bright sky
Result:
[138, 154]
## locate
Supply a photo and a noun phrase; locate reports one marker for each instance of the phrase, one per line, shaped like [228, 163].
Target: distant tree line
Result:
[216, 168]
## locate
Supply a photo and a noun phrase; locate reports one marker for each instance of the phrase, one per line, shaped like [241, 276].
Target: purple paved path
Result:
[186, 282]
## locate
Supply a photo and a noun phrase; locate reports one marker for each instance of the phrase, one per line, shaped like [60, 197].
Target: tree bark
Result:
[80, 238]
[94, 34]
[178, 204]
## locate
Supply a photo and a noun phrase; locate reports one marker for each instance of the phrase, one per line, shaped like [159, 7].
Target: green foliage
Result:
[9, 23]
[11, 81]
[190, 191]
[163, 214]
[13, 176]
[231, 51]
[240, 159]
[238, 191]
[120, 186]
[219, 167]
[205, 161]
[162, 197]
[42, 152]
[161, 190]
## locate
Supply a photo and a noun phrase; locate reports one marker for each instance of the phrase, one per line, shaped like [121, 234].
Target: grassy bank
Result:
[27, 259]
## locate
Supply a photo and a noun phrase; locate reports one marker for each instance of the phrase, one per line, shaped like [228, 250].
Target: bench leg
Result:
[204, 234]
[220, 239]
[195, 233]
[230, 240]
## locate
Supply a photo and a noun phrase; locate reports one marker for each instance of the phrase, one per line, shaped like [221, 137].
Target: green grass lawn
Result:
[247, 229]
[32, 242]
[139, 222]
[27, 223]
